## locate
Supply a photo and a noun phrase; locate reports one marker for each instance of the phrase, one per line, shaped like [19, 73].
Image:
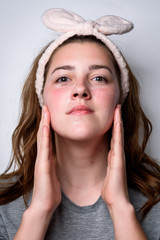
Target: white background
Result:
[22, 35]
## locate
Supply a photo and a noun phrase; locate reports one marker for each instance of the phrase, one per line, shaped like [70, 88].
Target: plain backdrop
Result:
[22, 35]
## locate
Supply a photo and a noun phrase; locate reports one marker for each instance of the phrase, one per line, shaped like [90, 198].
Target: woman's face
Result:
[81, 91]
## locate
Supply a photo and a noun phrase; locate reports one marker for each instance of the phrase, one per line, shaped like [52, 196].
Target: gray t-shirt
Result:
[73, 222]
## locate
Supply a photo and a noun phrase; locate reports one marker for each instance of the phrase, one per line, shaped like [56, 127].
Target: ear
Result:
[113, 25]
[61, 20]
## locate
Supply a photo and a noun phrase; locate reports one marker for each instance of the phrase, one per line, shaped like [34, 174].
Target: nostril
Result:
[75, 94]
[85, 95]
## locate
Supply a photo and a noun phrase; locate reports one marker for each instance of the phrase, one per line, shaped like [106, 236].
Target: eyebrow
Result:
[96, 66]
[92, 67]
[66, 67]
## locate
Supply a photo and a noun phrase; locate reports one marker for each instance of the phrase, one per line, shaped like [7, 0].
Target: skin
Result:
[101, 96]
[83, 173]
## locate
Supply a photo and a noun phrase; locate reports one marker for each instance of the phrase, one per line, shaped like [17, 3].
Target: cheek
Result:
[53, 97]
[56, 100]
[49, 97]
[108, 98]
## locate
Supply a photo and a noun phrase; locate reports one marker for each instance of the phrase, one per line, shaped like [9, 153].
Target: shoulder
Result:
[138, 199]
[151, 223]
[10, 217]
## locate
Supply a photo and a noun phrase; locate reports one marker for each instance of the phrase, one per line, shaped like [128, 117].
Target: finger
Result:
[118, 129]
[117, 147]
[42, 123]
[116, 121]
[39, 133]
[44, 136]
[46, 117]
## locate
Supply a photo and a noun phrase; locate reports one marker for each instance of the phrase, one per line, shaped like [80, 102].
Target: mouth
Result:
[80, 110]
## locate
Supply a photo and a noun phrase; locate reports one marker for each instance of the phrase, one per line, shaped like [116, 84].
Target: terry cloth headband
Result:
[70, 24]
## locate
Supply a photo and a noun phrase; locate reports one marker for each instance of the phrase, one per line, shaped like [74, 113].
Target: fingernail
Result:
[44, 108]
[45, 114]
[119, 106]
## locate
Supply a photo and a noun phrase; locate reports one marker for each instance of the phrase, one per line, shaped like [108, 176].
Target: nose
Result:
[81, 91]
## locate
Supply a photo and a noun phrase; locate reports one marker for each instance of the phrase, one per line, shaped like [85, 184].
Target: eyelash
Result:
[103, 79]
[66, 79]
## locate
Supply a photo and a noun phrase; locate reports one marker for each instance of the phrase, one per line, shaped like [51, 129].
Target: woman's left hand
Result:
[114, 190]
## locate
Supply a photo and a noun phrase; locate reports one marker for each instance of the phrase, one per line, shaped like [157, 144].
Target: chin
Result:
[81, 131]
[81, 135]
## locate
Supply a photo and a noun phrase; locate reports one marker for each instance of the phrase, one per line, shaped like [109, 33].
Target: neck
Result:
[81, 166]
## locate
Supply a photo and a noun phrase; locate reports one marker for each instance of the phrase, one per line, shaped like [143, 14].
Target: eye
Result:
[100, 79]
[62, 80]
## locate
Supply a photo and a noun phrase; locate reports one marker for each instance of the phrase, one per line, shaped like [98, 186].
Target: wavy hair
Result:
[143, 173]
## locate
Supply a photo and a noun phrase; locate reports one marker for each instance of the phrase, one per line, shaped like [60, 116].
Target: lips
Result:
[80, 110]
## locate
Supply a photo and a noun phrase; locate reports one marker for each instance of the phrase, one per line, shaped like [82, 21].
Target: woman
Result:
[89, 179]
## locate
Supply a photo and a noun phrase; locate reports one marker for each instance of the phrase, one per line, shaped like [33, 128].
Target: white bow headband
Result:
[71, 24]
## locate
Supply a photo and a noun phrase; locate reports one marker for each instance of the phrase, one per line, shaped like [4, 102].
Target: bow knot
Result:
[64, 21]
[86, 27]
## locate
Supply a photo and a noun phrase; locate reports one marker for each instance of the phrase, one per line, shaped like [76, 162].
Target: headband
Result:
[70, 24]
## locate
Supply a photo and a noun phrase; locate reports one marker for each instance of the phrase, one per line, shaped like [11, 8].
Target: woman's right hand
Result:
[46, 191]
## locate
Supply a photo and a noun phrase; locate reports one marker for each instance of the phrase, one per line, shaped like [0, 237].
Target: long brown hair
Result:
[142, 171]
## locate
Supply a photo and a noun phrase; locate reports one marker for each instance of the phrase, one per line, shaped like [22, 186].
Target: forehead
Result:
[81, 50]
